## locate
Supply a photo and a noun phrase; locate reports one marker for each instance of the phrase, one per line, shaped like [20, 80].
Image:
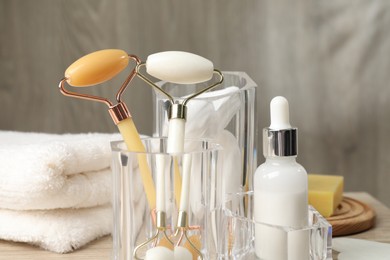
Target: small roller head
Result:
[179, 67]
[159, 253]
[96, 67]
[182, 253]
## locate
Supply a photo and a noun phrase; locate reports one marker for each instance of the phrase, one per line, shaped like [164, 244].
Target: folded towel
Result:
[76, 191]
[60, 231]
[55, 190]
[47, 171]
[52, 154]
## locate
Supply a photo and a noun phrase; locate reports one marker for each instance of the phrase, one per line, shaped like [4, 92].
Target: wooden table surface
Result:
[101, 248]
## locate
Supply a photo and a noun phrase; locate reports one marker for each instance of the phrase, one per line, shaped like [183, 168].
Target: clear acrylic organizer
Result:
[240, 226]
[225, 114]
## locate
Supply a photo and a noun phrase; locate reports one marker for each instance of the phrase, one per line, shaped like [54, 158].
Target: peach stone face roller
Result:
[96, 68]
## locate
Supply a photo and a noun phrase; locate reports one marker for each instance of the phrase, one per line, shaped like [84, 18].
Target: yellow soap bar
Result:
[325, 192]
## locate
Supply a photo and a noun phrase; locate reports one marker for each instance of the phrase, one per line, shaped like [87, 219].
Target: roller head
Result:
[159, 253]
[96, 67]
[182, 253]
[179, 67]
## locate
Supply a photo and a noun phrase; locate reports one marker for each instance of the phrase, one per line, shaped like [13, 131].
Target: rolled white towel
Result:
[47, 171]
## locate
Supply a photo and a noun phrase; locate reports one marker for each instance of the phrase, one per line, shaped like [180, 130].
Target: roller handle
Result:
[160, 182]
[133, 142]
[175, 142]
[96, 67]
[185, 191]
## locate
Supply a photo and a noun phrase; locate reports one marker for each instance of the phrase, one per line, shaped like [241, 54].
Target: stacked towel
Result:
[55, 190]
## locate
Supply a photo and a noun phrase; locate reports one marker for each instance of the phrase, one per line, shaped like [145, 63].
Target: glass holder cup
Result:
[240, 227]
[137, 204]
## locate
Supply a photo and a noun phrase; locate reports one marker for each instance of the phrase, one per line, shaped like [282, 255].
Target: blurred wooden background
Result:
[331, 59]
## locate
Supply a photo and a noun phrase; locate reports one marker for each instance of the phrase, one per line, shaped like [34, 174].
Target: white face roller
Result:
[181, 68]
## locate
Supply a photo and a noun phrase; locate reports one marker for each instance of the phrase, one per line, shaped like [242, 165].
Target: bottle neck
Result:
[281, 159]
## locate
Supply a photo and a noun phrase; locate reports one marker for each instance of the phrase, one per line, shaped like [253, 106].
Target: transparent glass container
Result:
[225, 114]
[135, 207]
[240, 226]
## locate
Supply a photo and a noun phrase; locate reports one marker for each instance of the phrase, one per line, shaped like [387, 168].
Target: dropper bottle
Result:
[280, 191]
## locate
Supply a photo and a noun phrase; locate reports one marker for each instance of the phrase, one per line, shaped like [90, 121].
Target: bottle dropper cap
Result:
[280, 138]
